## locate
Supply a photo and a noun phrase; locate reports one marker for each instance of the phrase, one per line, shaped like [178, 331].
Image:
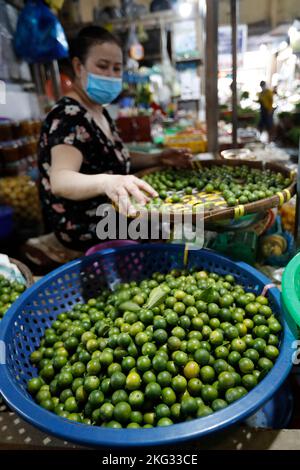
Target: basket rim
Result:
[186, 431]
[229, 212]
[289, 295]
[24, 270]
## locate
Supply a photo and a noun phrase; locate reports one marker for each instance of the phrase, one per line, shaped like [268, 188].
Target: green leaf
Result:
[103, 330]
[156, 297]
[207, 295]
[130, 306]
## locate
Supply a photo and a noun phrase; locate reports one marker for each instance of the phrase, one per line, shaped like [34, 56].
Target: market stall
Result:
[148, 281]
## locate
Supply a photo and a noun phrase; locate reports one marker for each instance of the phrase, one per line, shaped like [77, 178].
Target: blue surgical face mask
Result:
[103, 90]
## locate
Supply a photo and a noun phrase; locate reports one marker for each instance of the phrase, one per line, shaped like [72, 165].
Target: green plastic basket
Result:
[291, 293]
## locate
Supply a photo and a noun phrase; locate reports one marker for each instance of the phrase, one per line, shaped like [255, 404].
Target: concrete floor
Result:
[17, 434]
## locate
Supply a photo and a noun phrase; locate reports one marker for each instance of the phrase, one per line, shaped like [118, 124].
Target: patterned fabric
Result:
[74, 222]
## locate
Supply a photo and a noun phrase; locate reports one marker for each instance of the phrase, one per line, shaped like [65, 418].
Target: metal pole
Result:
[37, 78]
[211, 74]
[201, 45]
[55, 75]
[297, 222]
[234, 23]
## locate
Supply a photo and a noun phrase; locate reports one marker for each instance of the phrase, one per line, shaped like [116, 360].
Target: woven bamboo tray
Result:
[214, 214]
[25, 271]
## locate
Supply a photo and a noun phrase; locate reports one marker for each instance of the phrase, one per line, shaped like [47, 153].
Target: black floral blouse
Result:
[74, 222]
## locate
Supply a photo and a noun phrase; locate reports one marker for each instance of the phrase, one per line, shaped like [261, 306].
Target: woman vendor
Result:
[82, 160]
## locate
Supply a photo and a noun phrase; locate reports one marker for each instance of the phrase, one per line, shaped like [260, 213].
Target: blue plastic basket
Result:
[277, 412]
[24, 324]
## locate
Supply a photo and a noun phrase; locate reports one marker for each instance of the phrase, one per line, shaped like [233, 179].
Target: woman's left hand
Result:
[180, 158]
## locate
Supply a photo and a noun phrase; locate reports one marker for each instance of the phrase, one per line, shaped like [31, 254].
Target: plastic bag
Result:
[9, 66]
[39, 36]
[10, 271]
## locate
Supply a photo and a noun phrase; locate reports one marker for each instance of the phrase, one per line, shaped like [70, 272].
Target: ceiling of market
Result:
[261, 15]
[271, 12]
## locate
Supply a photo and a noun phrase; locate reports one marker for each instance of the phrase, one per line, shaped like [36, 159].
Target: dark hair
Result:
[89, 37]
[262, 83]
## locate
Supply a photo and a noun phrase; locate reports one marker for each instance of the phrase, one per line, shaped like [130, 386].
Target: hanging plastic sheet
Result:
[39, 36]
[10, 67]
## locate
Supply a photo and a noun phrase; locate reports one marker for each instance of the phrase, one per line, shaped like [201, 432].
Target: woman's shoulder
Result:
[68, 108]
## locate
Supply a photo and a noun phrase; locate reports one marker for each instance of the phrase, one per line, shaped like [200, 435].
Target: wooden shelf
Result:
[148, 20]
[190, 59]
[151, 57]
[188, 99]
[18, 81]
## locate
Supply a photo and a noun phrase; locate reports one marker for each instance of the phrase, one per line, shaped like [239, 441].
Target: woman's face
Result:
[103, 59]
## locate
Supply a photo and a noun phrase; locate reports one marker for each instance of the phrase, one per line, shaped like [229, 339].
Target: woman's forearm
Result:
[118, 188]
[77, 186]
[66, 180]
[173, 157]
[139, 161]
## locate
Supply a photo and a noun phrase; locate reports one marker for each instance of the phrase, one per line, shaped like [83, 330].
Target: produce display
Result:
[9, 292]
[273, 245]
[257, 152]
[21, 193]
[219, 186]
[195, 140]
[288, 217]
[170, 348]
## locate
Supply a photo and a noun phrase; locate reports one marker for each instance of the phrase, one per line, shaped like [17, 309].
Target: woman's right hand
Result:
[120, 188]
